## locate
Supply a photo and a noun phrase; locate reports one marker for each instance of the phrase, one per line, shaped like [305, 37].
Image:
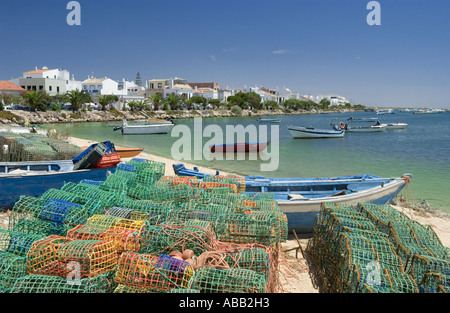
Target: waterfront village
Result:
[45, 89]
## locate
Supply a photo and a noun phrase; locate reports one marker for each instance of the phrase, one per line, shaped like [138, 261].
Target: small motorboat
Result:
[239, 147]
[350, 126]
[395, 125]
[147, 129]
[268, 120]
[310, 132]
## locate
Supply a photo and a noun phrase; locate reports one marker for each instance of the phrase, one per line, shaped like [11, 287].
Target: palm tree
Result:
[106, 100]
[156, 99]
[77, 98]
[174, 101]
[36, 100]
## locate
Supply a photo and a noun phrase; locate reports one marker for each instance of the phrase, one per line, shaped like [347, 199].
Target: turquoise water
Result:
[422, 149]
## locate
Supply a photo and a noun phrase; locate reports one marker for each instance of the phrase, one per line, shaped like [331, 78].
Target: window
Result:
[49, 88]
[41, 87]
[34, 88]
[159, 85]
[57, 89]
[152, 86]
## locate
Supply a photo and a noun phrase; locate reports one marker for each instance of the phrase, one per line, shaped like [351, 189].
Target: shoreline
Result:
[63, 117]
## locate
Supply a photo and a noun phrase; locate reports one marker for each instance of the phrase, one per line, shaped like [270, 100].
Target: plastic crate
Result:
[108, 160]
[92, 157]
[108, 145]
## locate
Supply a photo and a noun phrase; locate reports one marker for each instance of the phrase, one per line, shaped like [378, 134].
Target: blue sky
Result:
[308, 46]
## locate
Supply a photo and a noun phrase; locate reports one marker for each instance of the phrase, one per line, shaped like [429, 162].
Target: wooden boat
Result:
[35, 178]
[239, 147]
[268, 120]
[310, 132]
[153, 128]
[300, 198]
[125, 152]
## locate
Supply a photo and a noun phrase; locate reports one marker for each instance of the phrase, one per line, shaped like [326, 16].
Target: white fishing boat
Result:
[156, 128]
[351, 125]
[310, 132]
[395, 125]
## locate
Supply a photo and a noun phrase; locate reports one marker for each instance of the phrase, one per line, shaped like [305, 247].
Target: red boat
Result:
[239, 147]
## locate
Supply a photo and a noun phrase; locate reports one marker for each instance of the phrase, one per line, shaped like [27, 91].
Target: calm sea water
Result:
[422, 149]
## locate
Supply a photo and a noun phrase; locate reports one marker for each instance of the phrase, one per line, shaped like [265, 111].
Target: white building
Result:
[334, 99]
[53, 81]
[180, 87]
[101, 86]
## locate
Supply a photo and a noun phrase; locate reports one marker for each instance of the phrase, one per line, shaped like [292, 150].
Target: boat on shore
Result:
[147, 129]
[310, 132]
[239, 147]
[125, 152]
[35, 178]
[300, 198]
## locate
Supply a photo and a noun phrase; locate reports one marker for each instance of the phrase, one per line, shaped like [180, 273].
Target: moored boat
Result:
[310, 132]
[125, 152]
[153, 128]
[395, 125]
[239, 147]
[268, 120]
[350, 126]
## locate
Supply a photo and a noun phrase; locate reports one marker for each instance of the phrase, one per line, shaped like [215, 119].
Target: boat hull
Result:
[239, 147]
[125, 152]
[301, 213]
[147, 129]
[13, 186]
[304, 132]
[370, 129]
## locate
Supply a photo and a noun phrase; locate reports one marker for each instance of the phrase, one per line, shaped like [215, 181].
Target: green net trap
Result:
[211, 280]
[152, 272]
[61, 256]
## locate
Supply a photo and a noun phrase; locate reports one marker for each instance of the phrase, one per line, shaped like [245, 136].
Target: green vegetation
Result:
[36, 100]
[106, 100]
[8, 115]
[77, 99]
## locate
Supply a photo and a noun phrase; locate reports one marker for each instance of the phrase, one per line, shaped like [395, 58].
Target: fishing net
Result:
[17, 243]
[52, 217]
[352, 255]
[211, 280]
[151, 272]
[252, 227]
[12, 267]
[238, 181]
[34, 283]
[92, 205]
[64, 257]
[195, 235]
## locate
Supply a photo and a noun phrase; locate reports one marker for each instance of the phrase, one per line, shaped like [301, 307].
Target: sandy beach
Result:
[295, 272]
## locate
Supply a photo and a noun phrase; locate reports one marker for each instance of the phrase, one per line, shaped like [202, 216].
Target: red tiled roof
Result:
[37, 71]
[9, 86]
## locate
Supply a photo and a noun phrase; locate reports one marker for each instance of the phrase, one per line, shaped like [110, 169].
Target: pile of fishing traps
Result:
[139, 231]
[35, 147]
[371, 248]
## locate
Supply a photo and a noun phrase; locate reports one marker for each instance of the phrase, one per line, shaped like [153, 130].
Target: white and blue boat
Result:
[300, 198]
[310, 132]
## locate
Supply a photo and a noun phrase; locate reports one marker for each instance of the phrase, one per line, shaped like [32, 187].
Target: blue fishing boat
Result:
[35, 178]
[300, 198]
[268, 120]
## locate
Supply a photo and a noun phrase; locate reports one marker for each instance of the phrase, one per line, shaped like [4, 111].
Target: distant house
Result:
[180, 87]
[101, 86]
[215, 86]
[52, 81]
[10, 88]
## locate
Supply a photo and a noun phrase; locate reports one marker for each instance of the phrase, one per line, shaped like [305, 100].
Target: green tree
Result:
[77, 99]
[157, 100]
[253, 100]
[214, 102]
[36, 100]
[174, 101]
[106, 100]
[196, 101]
[135, 105]
[325, 103]
[270, 105]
